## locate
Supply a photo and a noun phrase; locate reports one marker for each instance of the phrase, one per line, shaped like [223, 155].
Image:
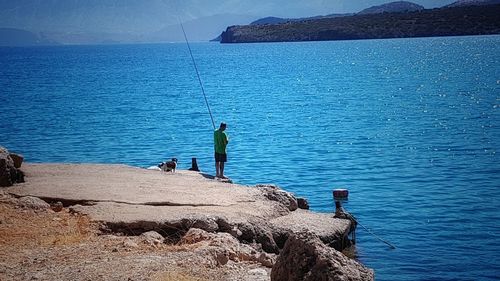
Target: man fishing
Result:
[220, 143]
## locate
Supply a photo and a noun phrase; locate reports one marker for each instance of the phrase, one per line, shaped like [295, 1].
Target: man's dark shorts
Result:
[219, 157]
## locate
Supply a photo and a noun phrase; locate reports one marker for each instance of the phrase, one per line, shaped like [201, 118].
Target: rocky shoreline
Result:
[231, 232]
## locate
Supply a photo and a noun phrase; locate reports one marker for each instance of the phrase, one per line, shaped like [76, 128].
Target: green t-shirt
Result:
[220, 141]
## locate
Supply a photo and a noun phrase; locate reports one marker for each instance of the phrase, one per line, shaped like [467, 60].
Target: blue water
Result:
[409, 126]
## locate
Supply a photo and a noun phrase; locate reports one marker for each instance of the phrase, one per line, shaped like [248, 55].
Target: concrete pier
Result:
[135, 200]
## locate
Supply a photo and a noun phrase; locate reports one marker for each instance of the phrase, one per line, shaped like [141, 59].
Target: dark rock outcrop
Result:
[5, 178]
[306, 258]
[9, 174]
[57, 206]
[18, 159]
[303, 204]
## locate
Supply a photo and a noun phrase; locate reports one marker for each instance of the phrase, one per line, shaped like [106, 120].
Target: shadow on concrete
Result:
[207, 176]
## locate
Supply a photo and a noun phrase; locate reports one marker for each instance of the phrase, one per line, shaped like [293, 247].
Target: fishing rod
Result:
[197, 72]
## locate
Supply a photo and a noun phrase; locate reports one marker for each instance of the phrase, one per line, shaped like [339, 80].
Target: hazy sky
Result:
[146, 16]
[289, 8]
[197, 8]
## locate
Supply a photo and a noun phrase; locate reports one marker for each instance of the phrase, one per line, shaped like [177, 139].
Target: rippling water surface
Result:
[409, 126]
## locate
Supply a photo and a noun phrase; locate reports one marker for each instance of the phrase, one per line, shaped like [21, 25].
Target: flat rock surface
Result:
[120, 194]
[120, 183]
[302, 220]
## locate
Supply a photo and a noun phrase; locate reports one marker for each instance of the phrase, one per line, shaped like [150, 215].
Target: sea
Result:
[411, 127]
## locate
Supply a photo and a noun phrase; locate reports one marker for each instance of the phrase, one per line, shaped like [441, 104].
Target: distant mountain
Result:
[275, 20]
[463, 3]
[115, 21]
[84, 16]
[19, 37]
[93, 37]
[269, 20]
[393, 7]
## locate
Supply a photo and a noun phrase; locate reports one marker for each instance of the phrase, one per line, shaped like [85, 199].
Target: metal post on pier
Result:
[194, 165]
[339, 196]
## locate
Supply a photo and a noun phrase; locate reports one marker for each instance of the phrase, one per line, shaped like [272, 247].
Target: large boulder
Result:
[223, 247]
[306, 258]
[152, 238]
[33, 203]
[8, 172]
[274, 193]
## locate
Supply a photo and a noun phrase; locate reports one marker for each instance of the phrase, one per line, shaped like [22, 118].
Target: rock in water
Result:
[306, 258]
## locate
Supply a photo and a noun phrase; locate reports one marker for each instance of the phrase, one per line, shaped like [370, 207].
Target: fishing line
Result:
[197, 72]
[369, 231]
[389, 244]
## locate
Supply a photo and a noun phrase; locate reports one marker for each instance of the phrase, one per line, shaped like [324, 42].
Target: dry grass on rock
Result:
[175, 276]
[48, 245]
[28, 228]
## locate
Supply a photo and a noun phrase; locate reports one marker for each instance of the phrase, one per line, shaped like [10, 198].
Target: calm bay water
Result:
[409, 126]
